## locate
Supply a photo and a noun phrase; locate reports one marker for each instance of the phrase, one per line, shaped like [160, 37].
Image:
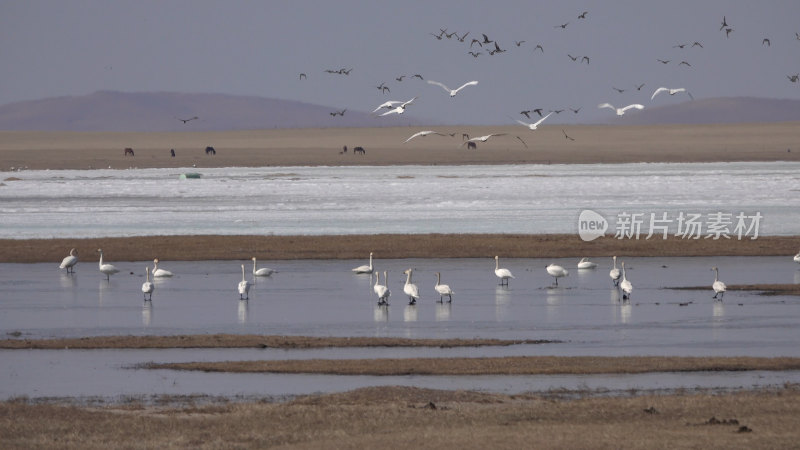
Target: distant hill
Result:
[713, 110]
[161, 111]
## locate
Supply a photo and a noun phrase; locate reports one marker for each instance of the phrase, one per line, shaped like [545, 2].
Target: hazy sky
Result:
[76, 47]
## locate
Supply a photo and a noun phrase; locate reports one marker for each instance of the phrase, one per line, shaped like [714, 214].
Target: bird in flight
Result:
[583, 15]
[684, 63]
[697, 44]
[526, 113]
[400, 109]
[585, 58]
[724, 23]
[728, 32]
[388, 105]
[497, 49]
[767, 42]
[539, 46]
[338, 113]
[566, 136]
[416, 75]
[453, 92]
[662, 61]
[188, 120]
[670, 92]
[302, 76]
[423, 134]
[519, 43]
[482, 138]
[474, 54]
[461, 38]
[793, 78]
[575, 110]
[639, 87]
[400, 78]
[523, 142]
[535, 125]
[538, 111]
[620, 111]
[562, 26]
[618, 89]
[486, 39]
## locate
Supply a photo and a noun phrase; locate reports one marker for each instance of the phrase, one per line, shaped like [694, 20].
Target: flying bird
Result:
[663, 61]
[497, 49]
[526, 113]
[474, 54]
[618, 89]
[566, 136]
[766, 41]
[539, 46]
[486, 39]
[639, 87]
[388, 105]
[728, 32]
[684, 63]
[189, 119]
[523, 142]
[400, 78]
[303, 76]
[519, 43]
[338, 113]
[574, 58]
[697, 44]
[461, 38]
[416, 75]
[793, 78]
[400, 109]
[583, 15]
[423, 134]
[679, 45]
[724, 23]
[585, 58]
[620, 111]
[483, 138]
[670, 92]
[562, 26]
[575, 110]
[452, 92]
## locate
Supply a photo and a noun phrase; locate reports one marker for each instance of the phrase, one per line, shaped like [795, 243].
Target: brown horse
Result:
[128, 151]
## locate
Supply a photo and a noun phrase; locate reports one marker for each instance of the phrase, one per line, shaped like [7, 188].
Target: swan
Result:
[364, 269]
[410, 289]
[718, 286]
[423, 133]
[160, 273]
[262, 272]
[797, 258]
[614, 273]
[482, 138]
[535, 125]
[244, 287]
[453, 92]
[443, 289]
[107, 269]
[557, 271]
[586, 264]
[147, 286]
[69, 261]
[388, 105]
[671, 92]
[620, 111]
[400, 109]
[501, 272]
[381, 290]
[625, 285]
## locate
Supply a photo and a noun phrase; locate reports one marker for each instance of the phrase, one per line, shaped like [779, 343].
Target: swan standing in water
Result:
[501, 272]
[381, 290]
[70, 261]
[557, 272]
[718, 286]
[107, 269]
[244, 287]
[160, 273]
[586, 264]
[625, 285]
[410, 289]
[147, 286]
[443, 289]
[614, 273]
[365, 269]
[262, 272]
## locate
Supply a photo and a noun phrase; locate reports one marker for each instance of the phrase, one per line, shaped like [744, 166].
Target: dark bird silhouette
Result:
[519, 43]
[497, 49]
[639, 87]
[486, 39]
[461, 38]
[566, 136]
[793, 78]
[302, 76]
[585, 58]
[538, 111]
[188, 120]
[680, 46]
[539, 46]
[697, 44]
[475, 41]
[400, 78]
[449, 35]
[766, 41]
[383, 88]
[728, 32]
[526, 113]
[437, 36]
[523, 142]
[583, 15]
[575, 110]
[662, 61]
[618, 89]
[474, 54]
[724, 23]
[416, 75]
[557, 111]
[345, 71]
[562, 26]
[338, 113]
[574, 58]
[684, 63]
[797, 35]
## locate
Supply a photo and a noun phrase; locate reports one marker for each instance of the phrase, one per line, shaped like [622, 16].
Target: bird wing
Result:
[542, 119]
[523, 142]
[523, 123]
[388, 104]
[421, 133]
[658, 91]
[607, 105]
[470, 83]
[635, 105]
[404, 104]
[690, 95]
[392, 111]
[439, 84]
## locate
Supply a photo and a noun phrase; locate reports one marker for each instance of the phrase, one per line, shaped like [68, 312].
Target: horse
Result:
[359, 150]
[128, 151]
[464, 136]
[210, 151]
[172, 152]
[472, 145]
[344, 149]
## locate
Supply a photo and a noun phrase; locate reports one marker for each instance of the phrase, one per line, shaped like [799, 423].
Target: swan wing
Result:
[542, 119]
[393, 111]
[658, 91]
[469, 83]
[607, 105]
[447, 89]
[635, 105]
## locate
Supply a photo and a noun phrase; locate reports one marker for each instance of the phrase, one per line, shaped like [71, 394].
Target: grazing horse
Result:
[172, 152]
[344, 149]
[128, 151]
[464, 136]
[472, 145]
[210, 151]
[359, 150]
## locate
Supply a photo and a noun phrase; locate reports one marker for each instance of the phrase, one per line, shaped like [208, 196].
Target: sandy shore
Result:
[304, 147]
[198, 248]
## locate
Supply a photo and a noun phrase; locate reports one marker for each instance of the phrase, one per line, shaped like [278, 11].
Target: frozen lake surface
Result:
[525, 199]
[324, 298]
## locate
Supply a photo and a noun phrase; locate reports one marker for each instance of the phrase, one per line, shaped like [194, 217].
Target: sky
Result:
[52, 48]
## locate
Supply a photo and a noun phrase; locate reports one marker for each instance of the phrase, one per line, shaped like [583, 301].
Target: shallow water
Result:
[324, 298]
[528, 199]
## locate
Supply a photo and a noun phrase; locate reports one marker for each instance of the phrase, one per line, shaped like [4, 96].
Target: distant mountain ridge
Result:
[162, 111]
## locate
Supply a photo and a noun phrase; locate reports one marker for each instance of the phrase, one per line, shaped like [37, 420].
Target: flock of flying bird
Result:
[618, 278]
[483, 44]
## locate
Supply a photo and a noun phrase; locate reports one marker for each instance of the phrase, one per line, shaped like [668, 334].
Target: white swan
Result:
[718, 286]
[107, 269]
[262, 272]
[410, 289]
[797, 258]
[625, 285]
[388, 105]
[482, 138]
[453, 92]
[671, 92]
[69, 261]
[160, 273]
[501, 272]
[620, 111]
[557, 271]
[586, 264]
[423, 133]
[147, 286]
[535, 125]
[364, 269]
[400, 109]
[443, 289]
[614, 273]
[244, 287]
[381, 290]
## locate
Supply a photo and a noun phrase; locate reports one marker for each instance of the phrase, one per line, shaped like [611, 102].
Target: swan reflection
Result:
[244, 306]
[147, 313]
[381, 313]
[502, 303]
[410, 313]
[443, 312]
